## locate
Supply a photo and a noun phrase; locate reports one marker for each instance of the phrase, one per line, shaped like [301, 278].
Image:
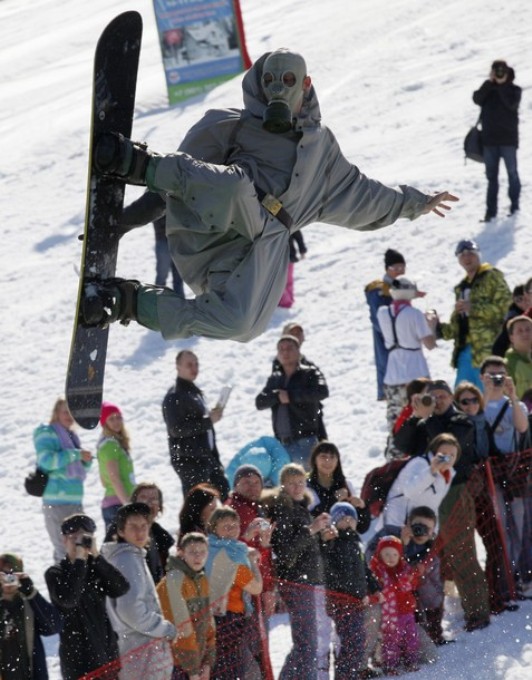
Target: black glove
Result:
[115, 155]
[25, 586]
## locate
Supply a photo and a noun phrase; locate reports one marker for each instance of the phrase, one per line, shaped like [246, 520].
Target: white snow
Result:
[395, 81]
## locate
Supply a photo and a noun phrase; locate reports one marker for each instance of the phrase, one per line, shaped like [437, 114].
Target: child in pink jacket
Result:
[400, 643]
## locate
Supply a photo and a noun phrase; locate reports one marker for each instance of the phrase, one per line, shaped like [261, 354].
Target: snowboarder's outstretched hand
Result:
[118, 156]
[437, 203]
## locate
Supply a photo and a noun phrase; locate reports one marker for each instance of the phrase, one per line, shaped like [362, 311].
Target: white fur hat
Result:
[403, 288]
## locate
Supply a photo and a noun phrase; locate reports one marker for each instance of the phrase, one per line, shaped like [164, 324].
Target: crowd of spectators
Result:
[282, 528]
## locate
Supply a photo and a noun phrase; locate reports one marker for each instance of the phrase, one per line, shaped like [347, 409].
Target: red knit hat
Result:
[107, 410]
[389, 542]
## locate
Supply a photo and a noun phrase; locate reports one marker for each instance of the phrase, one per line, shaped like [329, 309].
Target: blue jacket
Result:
[265, 453]
[377, 295]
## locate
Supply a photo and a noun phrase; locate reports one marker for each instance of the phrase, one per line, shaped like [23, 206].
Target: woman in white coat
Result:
[424, 480]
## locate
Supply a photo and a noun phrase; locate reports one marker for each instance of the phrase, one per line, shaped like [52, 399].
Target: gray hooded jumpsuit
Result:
[227, 247]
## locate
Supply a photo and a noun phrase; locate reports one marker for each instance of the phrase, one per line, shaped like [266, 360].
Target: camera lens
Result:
[420, 530]
[427, 400]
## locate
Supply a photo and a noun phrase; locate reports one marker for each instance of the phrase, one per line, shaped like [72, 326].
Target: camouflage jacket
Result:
[490, 297]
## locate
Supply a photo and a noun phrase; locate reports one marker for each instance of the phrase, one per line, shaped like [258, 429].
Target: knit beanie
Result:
[389, 542]
[403, 288]
[342, 509]
[107, 410]
[78, 521]
[392, 257]
[244, 471]
[11, 561]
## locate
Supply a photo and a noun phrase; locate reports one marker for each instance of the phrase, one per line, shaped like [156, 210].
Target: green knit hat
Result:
[11, 561]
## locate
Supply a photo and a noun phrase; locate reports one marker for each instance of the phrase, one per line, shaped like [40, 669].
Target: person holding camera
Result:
[24, 617]
[459, 556]
[499, 393]
[499, 98]
[418, 536]
[424, 480]
[508, 419]
[471, 401]
[78, 587]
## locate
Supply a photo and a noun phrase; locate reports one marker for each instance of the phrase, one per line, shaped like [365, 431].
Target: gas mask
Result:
[283, 75]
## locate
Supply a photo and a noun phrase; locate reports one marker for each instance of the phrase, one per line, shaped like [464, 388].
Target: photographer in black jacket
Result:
[499, 100]
[78, 587]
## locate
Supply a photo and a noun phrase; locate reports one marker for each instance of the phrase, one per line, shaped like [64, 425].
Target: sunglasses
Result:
[465, 401]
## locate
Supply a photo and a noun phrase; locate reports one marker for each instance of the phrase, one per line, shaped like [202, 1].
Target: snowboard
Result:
[113, 100]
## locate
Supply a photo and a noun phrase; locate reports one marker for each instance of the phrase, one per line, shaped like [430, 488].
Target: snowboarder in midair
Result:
[240, 183]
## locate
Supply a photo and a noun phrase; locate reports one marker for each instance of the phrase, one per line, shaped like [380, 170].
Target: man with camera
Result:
[508, 418]
[501, 397]
[78, 587]
[24, 616]
[499, 100]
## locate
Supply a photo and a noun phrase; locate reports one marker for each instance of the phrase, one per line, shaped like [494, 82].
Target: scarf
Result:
[225, 556]
[70, 440]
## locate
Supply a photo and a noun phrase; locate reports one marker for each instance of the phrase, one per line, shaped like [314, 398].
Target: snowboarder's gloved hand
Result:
[118, 156]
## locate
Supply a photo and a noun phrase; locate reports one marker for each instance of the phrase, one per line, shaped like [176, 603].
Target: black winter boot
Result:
[118, 156]
[109, 300]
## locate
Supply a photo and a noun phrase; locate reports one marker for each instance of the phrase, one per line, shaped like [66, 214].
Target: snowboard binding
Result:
[117, 156]
[105, 301]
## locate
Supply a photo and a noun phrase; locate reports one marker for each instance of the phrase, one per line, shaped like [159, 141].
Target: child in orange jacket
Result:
[184, 597]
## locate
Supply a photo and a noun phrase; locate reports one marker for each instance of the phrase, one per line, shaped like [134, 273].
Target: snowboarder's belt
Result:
[274, 207]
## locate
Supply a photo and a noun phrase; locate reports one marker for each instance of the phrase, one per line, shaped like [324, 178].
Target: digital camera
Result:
[427, 400]
[498, 379]
[10, 579]
[85, 541]
[442, 457]
[420, 530]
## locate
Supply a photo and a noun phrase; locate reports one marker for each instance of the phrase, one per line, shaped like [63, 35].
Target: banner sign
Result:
[202, 44]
